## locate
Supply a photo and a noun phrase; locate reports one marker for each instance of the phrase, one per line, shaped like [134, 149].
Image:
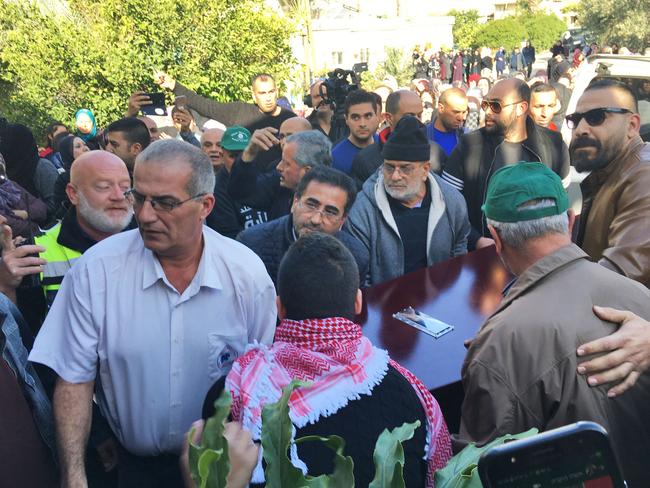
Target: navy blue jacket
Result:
[272, 239]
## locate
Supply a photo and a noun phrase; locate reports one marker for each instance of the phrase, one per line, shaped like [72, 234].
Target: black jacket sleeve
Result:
[248, 186]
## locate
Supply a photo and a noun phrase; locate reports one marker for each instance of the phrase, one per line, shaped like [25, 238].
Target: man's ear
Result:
[635, 124]
[71, 191]
[136, 148]
[572, 220]
[523, 108]
[282, 312]
[358, 303]
[497, 238]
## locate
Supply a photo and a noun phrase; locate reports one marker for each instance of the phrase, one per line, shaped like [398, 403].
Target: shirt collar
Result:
[206, 274]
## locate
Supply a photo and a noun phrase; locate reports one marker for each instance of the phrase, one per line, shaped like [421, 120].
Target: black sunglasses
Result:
[496, 106]
[593, 117]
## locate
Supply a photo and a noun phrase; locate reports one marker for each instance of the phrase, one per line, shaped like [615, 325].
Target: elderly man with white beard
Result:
[98, 180]
[407, 217]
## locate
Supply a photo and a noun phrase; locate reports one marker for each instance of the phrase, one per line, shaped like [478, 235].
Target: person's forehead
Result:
[400, 164]
[263, 86]
[325, 193]
[162, 177]
[500, 91]
[456, 102]
[289, 151]
[315, 90]
[98, 165]
[605, 97]
[116, 135]
[545, 97]
[361, 108]
[292, 125]
[213, 136]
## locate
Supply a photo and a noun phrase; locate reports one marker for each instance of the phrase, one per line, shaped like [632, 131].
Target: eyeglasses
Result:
[496, 106]
[164, 204]
[406, 170]
[593, 117]
[327, 214]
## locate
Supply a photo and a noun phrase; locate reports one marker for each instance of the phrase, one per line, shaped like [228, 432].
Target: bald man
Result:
[509, 137]
[398, 104]
[98, 180]
[211, 145]
[447, 127]
[256, 183]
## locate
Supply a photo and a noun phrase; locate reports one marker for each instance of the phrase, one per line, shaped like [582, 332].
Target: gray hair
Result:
[172, 151]
[312, 148]
[515, 234]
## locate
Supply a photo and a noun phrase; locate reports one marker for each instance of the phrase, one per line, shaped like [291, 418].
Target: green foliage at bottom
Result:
[209, 464]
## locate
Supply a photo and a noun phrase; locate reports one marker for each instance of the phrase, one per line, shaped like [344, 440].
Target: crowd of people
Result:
[152, 262]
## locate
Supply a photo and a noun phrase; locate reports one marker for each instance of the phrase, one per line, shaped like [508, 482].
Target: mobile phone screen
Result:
[581, 459]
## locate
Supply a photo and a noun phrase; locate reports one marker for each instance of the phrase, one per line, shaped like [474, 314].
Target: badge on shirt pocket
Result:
[221, 354]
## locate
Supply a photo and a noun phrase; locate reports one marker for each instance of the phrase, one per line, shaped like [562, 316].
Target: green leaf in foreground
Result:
[389, 456]
[276, 440]
[209, 461]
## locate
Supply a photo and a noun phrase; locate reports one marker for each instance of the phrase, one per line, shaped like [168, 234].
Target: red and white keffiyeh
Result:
[340, 363]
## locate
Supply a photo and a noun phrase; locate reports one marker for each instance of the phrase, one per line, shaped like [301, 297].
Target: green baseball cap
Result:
[513, 185]
[236, 138]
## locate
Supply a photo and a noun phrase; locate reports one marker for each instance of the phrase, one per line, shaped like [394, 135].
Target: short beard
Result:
[403, 195]
[602, 158]
[98, 220]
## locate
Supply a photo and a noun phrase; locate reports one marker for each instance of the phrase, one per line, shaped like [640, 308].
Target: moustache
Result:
[584, 142]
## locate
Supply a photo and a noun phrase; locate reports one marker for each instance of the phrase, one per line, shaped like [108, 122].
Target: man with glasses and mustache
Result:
[406, 216]
[613, 227]
[147, 320]
[321, 203]
[509, 136]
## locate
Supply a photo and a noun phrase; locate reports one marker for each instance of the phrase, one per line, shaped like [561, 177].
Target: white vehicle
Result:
[631, 70]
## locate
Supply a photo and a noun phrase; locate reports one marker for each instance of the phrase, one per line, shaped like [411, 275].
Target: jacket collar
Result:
[592, 183]
[72, 235]
[538, 271]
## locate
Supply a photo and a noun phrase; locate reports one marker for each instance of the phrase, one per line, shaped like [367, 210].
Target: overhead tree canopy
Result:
[100, 51]
[624, 22]
[508, 32]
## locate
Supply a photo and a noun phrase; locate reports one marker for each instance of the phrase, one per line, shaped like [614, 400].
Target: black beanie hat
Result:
[408, 141]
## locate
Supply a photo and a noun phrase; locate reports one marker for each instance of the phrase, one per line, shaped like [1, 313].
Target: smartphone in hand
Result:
[157, 106]
[574, 456]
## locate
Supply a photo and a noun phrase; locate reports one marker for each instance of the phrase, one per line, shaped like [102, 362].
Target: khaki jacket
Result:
[617, 231]
[521, 370]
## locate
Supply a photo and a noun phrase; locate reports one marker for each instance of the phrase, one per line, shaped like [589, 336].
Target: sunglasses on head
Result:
[593, 117]
[496, 106]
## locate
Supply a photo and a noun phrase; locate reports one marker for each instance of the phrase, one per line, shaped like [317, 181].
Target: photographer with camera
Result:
[322, 113]
[362, 118]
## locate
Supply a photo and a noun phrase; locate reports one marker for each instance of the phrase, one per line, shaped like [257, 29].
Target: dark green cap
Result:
[513, 185]
[236, 138]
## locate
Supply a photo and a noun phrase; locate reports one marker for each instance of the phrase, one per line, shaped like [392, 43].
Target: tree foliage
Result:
[624, 22]
[508, 32]
[542, 30]
[98, 52]
[466, 28]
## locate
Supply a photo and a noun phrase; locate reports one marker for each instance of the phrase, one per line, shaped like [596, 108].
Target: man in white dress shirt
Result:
[147, 320]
